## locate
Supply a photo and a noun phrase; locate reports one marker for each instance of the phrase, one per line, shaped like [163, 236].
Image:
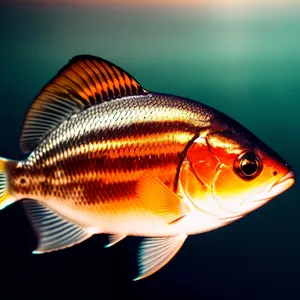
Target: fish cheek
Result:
[228, 187]
[203, 162]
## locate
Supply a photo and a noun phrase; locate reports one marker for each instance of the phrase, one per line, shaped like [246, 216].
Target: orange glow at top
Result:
[162, 2]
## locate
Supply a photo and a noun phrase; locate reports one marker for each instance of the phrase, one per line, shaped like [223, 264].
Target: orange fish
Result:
[108, 156]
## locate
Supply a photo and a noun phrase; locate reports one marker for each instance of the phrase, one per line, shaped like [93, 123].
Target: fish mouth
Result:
[283, 184]
[275, 189]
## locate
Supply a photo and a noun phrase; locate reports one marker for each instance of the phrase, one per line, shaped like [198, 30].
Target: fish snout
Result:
[284, 183]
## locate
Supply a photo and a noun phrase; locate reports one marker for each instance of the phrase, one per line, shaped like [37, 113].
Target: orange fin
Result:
[154, 253]
[85, 81]
[160, 199]
[5, 197]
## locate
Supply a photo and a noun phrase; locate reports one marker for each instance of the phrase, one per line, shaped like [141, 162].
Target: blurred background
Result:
[243, 59]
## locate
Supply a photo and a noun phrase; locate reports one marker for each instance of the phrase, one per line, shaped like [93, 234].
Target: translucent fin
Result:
[114, 238]
[162, 201]
[154, 253]
[85, 81]
[53, 232]
[3, 185]
[5, 198]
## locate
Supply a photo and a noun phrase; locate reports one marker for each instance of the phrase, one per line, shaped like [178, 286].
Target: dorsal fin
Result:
[85, 81]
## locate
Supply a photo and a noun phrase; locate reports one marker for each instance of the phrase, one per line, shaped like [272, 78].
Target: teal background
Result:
[244, 62]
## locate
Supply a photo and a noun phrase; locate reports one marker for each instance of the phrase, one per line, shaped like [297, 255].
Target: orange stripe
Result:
[116, 82]
[120, 78]
[81, 80]
[91, 80]
[128, 83]
[102, 79]
[97, 83]
[108, 81]
[59, 177]
[133, 82]
[74, 82]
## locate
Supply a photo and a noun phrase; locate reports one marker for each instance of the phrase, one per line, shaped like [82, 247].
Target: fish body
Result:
[88, 168]
[107, 156]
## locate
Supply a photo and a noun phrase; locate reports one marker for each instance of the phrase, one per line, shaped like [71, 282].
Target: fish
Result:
[106, 156]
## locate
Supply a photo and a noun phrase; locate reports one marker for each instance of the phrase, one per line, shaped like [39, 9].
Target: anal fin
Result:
[53, 231]
[114, 238]
[154, 253]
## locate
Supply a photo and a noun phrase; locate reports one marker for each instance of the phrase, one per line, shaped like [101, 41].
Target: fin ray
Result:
[5, 197]
[155, 253]
[53, 231]
[161, 200]
[114, 239]
[3, 183]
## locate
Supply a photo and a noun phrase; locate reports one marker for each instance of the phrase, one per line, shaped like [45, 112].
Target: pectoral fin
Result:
[159, 199]
[154, 253]
[53, 231]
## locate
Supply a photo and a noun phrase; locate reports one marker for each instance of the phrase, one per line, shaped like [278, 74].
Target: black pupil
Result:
[23, 181]
[249, 166]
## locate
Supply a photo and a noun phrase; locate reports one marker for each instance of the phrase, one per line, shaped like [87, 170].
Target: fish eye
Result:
[247, 165]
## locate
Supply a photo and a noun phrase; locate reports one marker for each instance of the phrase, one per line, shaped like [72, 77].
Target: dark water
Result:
[246, 64]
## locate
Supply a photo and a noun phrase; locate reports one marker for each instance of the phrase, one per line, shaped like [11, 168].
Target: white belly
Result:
[142, 224]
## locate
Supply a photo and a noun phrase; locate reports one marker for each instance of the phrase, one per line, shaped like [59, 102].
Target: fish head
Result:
[230, 169]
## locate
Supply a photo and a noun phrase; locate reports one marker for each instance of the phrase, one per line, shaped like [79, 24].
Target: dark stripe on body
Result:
[129, 132]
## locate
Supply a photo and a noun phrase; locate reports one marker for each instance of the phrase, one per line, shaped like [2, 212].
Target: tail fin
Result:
[5, 198]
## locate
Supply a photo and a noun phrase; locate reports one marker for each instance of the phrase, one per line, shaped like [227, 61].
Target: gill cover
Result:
[198, 171]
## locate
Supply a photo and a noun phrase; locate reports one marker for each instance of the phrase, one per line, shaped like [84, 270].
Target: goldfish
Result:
[106, 156]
